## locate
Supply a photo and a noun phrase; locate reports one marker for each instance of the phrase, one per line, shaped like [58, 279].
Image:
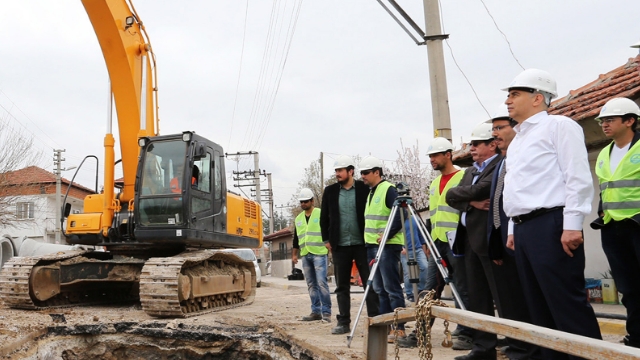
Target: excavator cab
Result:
[180, 191]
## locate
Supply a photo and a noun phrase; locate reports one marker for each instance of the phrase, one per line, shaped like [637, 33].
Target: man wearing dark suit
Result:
[510, 293]
[471, 197]
[342, 227]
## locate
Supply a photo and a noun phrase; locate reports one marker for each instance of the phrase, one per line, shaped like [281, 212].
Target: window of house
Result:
[24, 210]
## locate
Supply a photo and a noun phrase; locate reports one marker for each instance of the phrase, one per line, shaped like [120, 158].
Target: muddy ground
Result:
[268, 328]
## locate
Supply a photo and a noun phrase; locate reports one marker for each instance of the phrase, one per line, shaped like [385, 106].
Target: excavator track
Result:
[15, 275]
[165, 290]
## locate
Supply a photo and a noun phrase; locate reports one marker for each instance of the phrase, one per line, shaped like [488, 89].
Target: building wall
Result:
[42, 226]
[596, 261]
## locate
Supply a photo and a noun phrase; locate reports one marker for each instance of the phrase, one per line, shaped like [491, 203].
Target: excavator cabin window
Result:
[162, 190]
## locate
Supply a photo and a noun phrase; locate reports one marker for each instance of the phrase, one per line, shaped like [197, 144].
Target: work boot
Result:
[312, 317]
[326, 317]
[409, 341]
[340, 329]
[479, 355]
[462, 343]
[399, 334]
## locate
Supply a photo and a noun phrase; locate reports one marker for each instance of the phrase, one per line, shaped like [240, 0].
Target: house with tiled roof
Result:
[583, 105]
[281, 244]
[30, 194]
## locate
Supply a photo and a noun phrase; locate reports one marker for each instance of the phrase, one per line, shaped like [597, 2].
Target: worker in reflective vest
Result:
[307, 242]
[618, 171]
[386, 280]
[442, 219]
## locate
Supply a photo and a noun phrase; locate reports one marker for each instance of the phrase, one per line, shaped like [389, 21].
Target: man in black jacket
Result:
[342, 226]
[471, 198]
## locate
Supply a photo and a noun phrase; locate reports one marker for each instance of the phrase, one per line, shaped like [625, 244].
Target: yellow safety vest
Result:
[443, 217]
[309, 234]
[376, 216]
[620, 191]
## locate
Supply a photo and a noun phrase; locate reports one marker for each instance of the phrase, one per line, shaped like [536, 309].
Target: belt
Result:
[519, 219]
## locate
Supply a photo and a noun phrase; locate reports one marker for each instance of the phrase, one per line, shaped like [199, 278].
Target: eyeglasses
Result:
[476, 143]
[365, 172]
[499, 127]
[304, 201]
[606, 120]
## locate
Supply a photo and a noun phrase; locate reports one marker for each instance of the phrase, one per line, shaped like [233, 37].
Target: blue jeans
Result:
[315, 273]
[421, 258]
[386, 280]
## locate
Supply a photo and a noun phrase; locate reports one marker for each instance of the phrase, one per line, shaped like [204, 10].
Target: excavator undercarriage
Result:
[188, 284]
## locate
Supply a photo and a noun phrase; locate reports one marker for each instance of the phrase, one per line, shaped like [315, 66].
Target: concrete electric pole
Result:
[57, 161]
[432, 37]
[437, 75]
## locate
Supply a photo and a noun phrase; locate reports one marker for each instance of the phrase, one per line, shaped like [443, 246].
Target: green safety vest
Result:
[309, 235]
[376, 216]
[444, 218]
[620, 191]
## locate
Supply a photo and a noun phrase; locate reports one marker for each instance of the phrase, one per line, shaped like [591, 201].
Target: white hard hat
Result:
[482, 131]
[439, 145]
[535, 79]
[343, 161]
[502, 113]
[370, 162]
[305, 194]
[619, 107]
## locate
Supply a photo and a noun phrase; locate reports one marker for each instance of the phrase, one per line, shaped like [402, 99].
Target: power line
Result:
[501, 32]
[291, 31]
[458, 66]
[235, 100]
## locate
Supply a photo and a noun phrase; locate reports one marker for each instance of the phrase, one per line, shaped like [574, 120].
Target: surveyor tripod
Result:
[405, 202]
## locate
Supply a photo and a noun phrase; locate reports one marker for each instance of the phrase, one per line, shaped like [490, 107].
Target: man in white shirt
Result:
[547, 193]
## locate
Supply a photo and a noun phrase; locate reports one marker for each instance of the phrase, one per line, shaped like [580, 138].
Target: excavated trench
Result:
[159, 340]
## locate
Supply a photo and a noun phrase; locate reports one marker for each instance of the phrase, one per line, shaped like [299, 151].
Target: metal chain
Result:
[423, 325]
[394, 331]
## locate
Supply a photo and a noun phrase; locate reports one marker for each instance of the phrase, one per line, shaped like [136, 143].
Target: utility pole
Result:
[432, 37]
[437, 74]
[270, 203]
[256, 173]
[57, 161]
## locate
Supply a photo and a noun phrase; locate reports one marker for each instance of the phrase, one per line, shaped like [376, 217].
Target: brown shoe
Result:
[399, 334]
[312, 317]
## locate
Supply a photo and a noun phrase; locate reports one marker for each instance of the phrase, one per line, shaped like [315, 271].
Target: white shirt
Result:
[548, 166]
[616, 155]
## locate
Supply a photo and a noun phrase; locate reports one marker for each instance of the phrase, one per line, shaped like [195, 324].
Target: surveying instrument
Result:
[405, 202]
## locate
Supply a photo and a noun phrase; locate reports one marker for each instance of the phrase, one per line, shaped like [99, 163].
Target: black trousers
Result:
[511, 305]
[553, 282]
[343, 257]
[621, 245]
[481, 286]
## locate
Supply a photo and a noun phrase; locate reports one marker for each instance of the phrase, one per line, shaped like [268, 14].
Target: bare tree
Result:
[311, 180]
[409, 169]
[17, 151]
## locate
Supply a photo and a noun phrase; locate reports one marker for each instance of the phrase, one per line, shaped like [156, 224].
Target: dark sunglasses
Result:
[365, 172]
[304, 201]
[476, 143]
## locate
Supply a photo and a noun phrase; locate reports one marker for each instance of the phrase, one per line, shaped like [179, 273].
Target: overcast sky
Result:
[354, 82]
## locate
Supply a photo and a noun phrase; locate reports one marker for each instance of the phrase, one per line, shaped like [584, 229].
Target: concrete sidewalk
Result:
[607, 326]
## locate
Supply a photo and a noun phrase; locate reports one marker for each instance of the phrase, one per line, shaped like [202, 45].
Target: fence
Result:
[376, 334]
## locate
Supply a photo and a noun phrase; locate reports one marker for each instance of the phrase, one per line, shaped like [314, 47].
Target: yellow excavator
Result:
[160, 231]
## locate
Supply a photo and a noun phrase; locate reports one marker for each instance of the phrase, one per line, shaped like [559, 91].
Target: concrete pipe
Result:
[6, 250]
[36, 248]
[15, 241]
